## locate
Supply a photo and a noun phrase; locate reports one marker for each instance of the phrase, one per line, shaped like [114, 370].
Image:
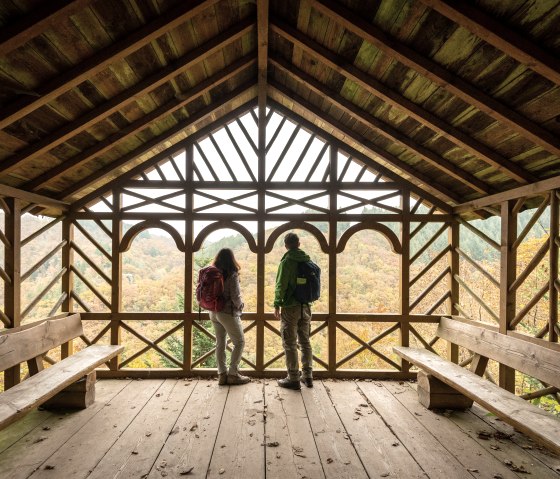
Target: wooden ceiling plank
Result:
[396, 100]
[496, 33]
[102, 59]
[439, 75]
[429, 184]
[154, 142]
[384, 129]
[139, 169]
[10, 192]
[535, 189]
[138, 125]
[36, 21]
[126, 97]
[262, 51]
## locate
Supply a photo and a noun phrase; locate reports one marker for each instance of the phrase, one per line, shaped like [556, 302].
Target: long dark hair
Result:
[226, 262]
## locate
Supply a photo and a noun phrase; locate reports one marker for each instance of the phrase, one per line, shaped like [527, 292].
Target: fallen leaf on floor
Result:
[472, 470]
[206, 417]
[363, 405]
[494, 447]
[278, 455]
[222, 446]
[257, 401]
[40, 439]
[175, 430]
[48, 467]
[194, 427]
[395, 444]
[297, 449]
[484, 435]
[385, 474]
[148, 434]
[497, 476]
[272, 444]
[46, 428]
[221, 471]
[329, 460]
[186, 470]
[135, 453]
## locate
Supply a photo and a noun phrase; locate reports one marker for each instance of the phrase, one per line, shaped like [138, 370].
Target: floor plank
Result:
[239, 450]
[468, 452]
[190, 450]
[25, 456]
[338, 456]
[177, 428]
[373, 440]
[433, 457]
[81, 453]
[291, 450]
[136, 450]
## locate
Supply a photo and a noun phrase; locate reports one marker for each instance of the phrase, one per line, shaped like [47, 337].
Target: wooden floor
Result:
[194, 428]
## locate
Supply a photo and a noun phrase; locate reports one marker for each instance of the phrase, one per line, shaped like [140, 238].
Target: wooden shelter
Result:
[431, 113]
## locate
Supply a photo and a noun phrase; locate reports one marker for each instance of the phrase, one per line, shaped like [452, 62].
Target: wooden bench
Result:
[67, 383]
[442, 382]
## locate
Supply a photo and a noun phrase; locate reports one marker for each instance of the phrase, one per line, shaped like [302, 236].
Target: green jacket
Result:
[286, 277]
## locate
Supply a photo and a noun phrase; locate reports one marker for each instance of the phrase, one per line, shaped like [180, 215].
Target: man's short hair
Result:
[291, 240]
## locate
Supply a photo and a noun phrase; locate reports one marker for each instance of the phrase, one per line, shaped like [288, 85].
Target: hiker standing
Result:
[295, 315]
[228, 320]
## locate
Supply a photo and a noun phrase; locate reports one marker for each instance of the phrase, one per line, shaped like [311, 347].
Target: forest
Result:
[367, 282]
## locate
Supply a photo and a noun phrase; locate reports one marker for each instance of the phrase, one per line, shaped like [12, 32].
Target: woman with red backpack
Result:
[228, 320]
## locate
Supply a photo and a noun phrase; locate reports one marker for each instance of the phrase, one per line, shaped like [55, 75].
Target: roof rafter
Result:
[426, 183]
[499, 35]
[140, 124]
[439, 75]
[262, 49]
[126, 97]
[384, 129]
[103, 58]
[36, 22]
[421, 115]
[154, 142]
[366, 160]
[142, 167]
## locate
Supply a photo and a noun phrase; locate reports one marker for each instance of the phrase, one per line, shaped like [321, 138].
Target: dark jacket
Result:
[232, 295]
[286, 277]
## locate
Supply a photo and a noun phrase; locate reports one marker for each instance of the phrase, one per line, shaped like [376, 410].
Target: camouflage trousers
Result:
[295, 328]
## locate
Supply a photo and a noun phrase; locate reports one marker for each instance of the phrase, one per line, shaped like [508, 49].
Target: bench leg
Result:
[435, 394]
[79, 395]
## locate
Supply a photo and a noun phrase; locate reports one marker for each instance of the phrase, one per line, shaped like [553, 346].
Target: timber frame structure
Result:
[451, 109]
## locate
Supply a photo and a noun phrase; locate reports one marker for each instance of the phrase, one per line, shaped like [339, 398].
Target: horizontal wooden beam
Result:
[11, 192]
[535, 189]
[496, 33]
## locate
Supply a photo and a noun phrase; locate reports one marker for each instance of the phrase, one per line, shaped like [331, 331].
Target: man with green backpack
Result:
[298, 284]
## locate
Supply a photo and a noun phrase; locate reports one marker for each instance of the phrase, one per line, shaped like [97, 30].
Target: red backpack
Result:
[210, 289]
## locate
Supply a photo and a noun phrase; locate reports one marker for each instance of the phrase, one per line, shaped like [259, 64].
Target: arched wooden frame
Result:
[224, 224]
[300, 225]
[396, 246]
[128, 238]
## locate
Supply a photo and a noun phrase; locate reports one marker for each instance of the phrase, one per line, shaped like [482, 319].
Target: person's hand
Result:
[277, 313]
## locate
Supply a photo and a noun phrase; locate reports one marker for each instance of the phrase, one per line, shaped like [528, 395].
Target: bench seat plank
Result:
[18, 400]
[523, 416]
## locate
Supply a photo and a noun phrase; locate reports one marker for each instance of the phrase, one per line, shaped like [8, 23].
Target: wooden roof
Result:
[461, 98]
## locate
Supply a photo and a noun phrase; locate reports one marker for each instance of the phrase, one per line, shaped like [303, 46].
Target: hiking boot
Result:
[307, 381]
[289, 384]
[222, 379]
[233, 379]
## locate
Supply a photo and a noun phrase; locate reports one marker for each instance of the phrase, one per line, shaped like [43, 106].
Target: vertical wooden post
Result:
[12, 291]
[453, 261]
[553, 267]
[67, 349]
[333, 229]
[189, 238]
[261, 216]
[116, 275]
[508, 273]
[404, 269]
